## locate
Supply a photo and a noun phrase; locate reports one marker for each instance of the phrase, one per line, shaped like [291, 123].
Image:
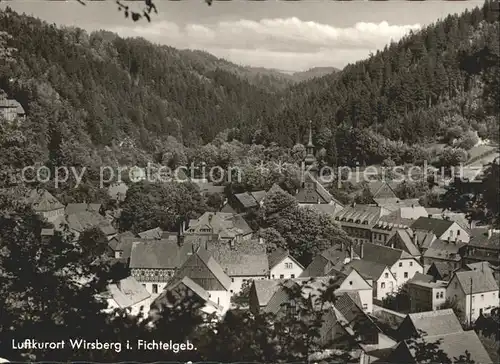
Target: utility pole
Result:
[470, 308]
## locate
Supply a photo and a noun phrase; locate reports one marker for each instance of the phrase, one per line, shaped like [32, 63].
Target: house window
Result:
[144, 285]
[273, 276]
[292, 308]
[456, 285]
[386, 275]
[350, 283]
[232, 280]
[406, 275]
[288, 265]
[411, 264]
[441, 295]
[282, 276]
[382, 285]
[365, 306]
[482, 297]
[292, 276]
[437, 294]
[473, 298]
[155, 288]
[400, 264]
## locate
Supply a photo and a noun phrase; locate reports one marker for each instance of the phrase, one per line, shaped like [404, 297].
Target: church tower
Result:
[310, 160]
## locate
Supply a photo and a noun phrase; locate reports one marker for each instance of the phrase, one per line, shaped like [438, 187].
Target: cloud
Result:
[290, 43]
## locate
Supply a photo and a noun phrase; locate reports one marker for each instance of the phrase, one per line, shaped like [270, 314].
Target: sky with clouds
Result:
[289, 36]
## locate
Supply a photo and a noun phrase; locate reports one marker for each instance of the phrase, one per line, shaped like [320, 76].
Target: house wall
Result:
[455, 231]
[354, 282]
[385, 285]
[438, 297]
[358, 233]
[281, 269]
[454, 292]
[53, 215]
[485, 301]
[221, 298]
[154, 280]
[408, 266]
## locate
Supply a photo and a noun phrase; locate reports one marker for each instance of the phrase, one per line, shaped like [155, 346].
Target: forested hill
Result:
[86, 90]
[106, 87]
[446, 74]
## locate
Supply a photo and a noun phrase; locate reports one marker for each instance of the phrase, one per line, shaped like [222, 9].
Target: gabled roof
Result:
[73, 208]
[406, 238]
[437, 322]
[265, 289]
[455, 345]
[323, 196]
[481, 237]
[84, 220]
[278, 255]
[42, 200]
[352, 315]
[437, 226]
[329, 209]
[367, 269]
[245, 258]
[444, 250]
[419, 277]
[190, 285]
[482, 281]
[246, 199]
[324, 262]
[226, 224]
[381, 254]
[393, 204]
[128, 292]
[259, 195]
[157, 254]
[115, 243]
[443, 268]
[155, 233]
[199, 276]
[381, 190]
[366, 215]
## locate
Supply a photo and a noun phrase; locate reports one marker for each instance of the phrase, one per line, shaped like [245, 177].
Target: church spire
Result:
[310, 158]
[310, 143]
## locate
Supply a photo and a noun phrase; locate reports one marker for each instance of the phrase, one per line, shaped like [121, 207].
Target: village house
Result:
[346, 281]
[443, 252]
[441, 270]
[11, 110]
[248, 201]
[377, 274]
[429, 323]
[77, 220]
[441, 329]
[358, 221]
[402, 265]
[185, 290]
[324, 262]
[154, 262]
[283, 265]
[243, 261]
[45, 204]
[426, 294]
[121, 245]
[483, 246]
[406, 240]
[475, 292]
[482, 266]
[225, 225]
[443, 229]
[207, 273]
[128, 294]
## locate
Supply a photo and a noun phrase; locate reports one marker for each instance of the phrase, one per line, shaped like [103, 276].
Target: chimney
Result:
[449, 239]
[429, 216]
[180, 240]
[490, 232]
[210, 217]
[361, 250]
[353, 204]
